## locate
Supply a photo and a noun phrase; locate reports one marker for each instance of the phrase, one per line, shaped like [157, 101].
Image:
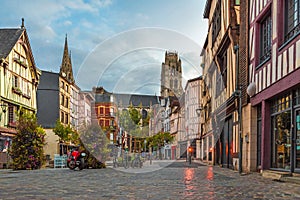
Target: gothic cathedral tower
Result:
[66, 66]
[171, 76]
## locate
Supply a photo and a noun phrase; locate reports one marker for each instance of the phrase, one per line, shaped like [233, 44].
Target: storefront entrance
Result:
[297, 118]
[281, 140]
[285, 138]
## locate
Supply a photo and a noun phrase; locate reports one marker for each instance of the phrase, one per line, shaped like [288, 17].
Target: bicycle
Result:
[137, 162]
[125, 160]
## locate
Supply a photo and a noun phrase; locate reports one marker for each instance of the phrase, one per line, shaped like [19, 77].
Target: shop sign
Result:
[298, 122]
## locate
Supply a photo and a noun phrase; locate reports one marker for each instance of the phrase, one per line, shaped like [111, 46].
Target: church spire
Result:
[66, 70]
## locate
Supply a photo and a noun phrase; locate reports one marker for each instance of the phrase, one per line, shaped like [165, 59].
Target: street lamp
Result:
[3, 108]
[198, 111]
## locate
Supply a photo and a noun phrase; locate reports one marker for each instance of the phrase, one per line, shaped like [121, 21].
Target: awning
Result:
[9, 132]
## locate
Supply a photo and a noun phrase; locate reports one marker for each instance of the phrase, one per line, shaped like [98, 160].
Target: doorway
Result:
[297, 118]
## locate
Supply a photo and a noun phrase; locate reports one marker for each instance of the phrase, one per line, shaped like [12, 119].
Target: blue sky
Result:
[118, 44]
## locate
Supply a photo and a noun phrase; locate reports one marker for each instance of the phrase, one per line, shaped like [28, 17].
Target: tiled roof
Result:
[8, 38]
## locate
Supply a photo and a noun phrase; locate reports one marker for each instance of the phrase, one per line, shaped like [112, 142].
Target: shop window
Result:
[292, 18]
[265, 38]
[281, 140]
[297, 97]
[281, 104]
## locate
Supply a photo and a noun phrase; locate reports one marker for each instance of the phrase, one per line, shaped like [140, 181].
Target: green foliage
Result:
[160, 139]
[94, 142]
[27, 149]
[135, 115]
[66, 133]
[125, 120]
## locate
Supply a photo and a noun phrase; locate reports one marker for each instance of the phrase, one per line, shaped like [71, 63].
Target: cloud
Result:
[67, 23]
[132, 59]
[98, 42]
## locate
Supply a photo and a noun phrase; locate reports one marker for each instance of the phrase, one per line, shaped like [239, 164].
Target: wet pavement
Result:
[161, 180]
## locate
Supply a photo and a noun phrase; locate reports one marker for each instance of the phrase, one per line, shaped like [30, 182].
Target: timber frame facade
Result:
[274, 69]
[19, 78]
[219, 124]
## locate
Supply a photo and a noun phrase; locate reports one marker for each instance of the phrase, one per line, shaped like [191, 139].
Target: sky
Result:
[117, 44]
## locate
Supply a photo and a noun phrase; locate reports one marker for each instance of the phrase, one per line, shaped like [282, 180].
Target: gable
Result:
[8, 39]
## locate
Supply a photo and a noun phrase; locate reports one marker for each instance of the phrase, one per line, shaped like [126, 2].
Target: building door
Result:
[297, 139]
[281, 140]
[226, 146]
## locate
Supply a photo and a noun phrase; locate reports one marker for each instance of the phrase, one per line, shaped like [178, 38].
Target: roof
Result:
[125, 100]
[8, 39]
[193, 80]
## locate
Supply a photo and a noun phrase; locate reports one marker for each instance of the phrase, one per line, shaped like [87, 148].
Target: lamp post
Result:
[198, 111]
[7, 142]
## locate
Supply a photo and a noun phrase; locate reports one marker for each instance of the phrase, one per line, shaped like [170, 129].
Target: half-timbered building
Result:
[19, 77]
[274, 75]
[220, 139]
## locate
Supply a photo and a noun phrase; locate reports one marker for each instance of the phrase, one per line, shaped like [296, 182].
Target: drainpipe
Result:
[238, 93]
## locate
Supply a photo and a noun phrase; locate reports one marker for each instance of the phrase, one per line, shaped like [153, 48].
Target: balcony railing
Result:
[292, 32]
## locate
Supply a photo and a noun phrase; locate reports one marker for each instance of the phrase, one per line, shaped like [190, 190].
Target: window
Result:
[15, 81]
[216, 24]
[176, 84]
[11, 114]
[101, 122]
[266, 37]
[107, 111]
[221, 82]
[62, 100]
[171, 84]
[66, 119]
[292, 18]
[62, 84]
[67, 103]
[101, 110]
[62, 117]
[112, 122]
[107, 122]
[222, 78]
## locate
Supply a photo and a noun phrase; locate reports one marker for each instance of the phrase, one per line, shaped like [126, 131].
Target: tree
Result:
[94, 142]
[27, 151]
[160, 139]
[125, 121]
[65, 133]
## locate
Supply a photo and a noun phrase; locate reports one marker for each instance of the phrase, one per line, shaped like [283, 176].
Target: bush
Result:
[27, 151]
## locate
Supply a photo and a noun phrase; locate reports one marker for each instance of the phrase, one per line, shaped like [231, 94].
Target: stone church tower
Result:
[171, 76]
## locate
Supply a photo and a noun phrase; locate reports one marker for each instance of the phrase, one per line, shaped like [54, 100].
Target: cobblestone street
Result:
[175, 181]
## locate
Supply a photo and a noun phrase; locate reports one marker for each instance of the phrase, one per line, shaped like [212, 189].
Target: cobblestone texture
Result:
[176, 181]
